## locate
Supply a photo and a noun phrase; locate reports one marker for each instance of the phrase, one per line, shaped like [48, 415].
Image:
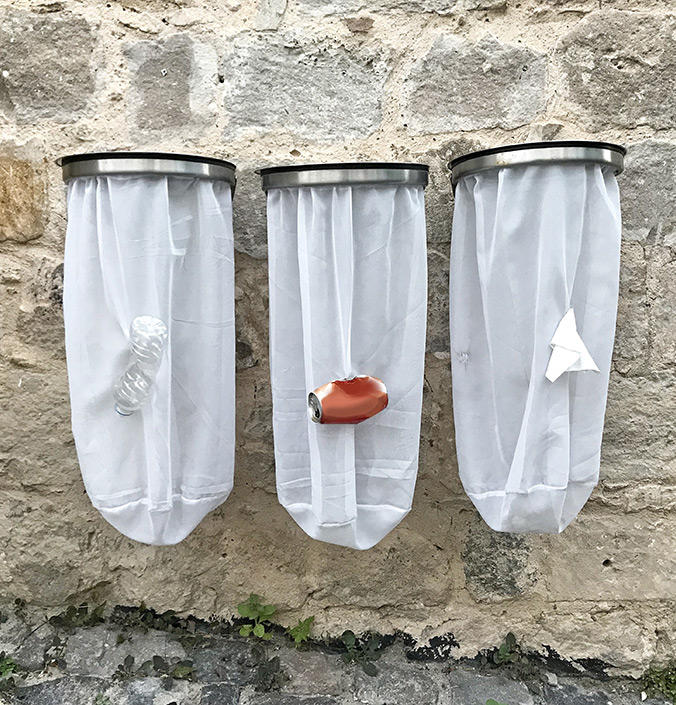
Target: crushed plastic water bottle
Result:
[147, 340]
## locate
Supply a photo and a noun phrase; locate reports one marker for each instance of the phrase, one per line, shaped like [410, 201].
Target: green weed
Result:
[301, 632]
[661, 681]
[363, 653]
[254, 609]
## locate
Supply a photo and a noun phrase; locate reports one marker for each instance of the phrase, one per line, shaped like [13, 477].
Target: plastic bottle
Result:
[148, 337]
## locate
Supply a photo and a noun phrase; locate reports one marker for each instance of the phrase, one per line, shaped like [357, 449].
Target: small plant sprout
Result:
[364, 653]
[7, 666]
[259, 614]
[157, 666]
[82, 616]
[8, 669]
[490, 701]
[301, 632]
[125, 669]
[507, 652]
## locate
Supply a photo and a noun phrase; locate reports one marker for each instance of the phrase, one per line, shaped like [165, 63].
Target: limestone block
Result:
[45, 65]
[467, 85]
[22, 198]
[291, 87]
[620, 70]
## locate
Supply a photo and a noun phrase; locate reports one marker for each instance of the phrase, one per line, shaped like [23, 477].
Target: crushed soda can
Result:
[347, 400]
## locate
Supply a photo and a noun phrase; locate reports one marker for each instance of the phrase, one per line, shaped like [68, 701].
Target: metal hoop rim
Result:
[539, 153]
[153, 163]
[344, 174]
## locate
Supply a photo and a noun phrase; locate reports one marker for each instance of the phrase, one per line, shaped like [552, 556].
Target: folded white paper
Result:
[569, 353]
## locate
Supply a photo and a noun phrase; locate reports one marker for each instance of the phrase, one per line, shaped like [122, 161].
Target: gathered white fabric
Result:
[534, 287]
[162, 247]
[348, 288]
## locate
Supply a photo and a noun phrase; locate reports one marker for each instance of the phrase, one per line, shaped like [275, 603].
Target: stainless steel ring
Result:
[140, 163]
[344, 174]
[539, 153]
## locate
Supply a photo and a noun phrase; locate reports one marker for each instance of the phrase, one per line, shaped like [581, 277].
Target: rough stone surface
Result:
[359, 24]
[223, 660]
[469, 687]
[312, 672]
[615, 81]
[442, 7]
[496, 565]
[309, 90]
[249, 218]
[153, 691]
[167, 79]
[649, 210]
[275, 699]
[438, 324]
[409, 684]
[439, 194]
[75, 691]
[638, 433]
[270, 13]
[45, 65]
[388, 80]
[571, 694]
[632, 339]
[27, 643]
[502, 85]
[220, 695]
[662, 286]
[277, 673]
[96, 651]
[22, 200]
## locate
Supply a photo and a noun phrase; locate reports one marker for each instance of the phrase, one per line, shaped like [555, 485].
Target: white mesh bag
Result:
[348, 286]
[534, 286]
[149, 318]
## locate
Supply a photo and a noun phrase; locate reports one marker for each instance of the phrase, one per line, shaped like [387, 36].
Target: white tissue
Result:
[569, 353]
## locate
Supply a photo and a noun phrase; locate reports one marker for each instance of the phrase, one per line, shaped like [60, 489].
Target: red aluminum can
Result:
[348, 400]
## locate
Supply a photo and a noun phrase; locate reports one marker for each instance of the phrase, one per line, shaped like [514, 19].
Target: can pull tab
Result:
[147, 342]
[347, 401]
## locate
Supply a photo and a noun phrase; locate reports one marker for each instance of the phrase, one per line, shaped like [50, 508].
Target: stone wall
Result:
[274, 81]
[138, 657]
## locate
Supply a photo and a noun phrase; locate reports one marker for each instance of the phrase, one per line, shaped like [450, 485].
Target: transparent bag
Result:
[159, 248]
[348, 291]
[534, 287]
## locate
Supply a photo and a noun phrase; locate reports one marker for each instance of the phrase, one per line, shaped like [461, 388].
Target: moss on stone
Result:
[661, 681]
